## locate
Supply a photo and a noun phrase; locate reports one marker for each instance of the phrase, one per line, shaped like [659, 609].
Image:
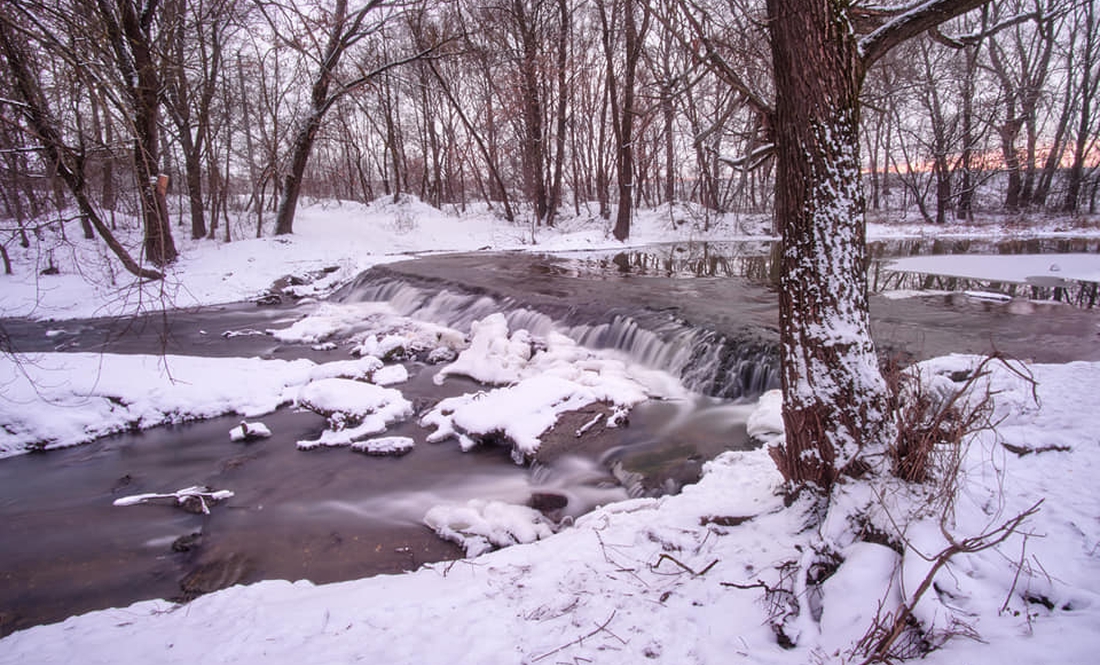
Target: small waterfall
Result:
[706, 361]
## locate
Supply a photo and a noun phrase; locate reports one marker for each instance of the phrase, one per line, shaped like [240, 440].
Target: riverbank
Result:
[684, 578]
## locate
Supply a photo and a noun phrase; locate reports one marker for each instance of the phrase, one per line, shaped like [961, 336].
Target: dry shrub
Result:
[936, 414]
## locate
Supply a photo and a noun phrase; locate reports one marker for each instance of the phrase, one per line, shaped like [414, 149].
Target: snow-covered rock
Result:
[481, 526]
[385, 446]
[355, 410]
[517, 415]
[247, 431]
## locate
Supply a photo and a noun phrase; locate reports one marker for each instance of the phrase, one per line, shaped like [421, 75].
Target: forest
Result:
[212, 118]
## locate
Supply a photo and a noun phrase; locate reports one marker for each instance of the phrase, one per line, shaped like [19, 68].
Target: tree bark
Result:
[834, 393]
[835, 399]
[534, 152]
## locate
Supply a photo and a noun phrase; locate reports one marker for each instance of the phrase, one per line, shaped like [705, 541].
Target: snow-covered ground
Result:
[692, 578]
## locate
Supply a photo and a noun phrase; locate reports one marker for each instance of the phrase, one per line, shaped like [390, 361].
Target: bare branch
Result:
[717, 63]
[909, 23]
[962, 41]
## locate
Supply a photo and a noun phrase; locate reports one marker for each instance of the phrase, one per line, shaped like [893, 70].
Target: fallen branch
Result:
[992, 538]
[192, 499]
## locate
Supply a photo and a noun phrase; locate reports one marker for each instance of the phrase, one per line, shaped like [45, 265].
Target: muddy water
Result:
[705, 312]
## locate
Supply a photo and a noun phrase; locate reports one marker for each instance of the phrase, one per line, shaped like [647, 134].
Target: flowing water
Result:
[705, 312]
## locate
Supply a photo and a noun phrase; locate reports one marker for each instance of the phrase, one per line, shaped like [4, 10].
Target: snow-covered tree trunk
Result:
[834, 393]
[835, 399]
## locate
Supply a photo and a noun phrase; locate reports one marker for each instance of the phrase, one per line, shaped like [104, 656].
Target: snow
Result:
[543, 378]
[680, 579]
[625, 567]
[481, 526]
[1037, 269]
[354, 410]
[384, 446]
[53, 400]
[199, 494]
[766, 421]
[247, 431]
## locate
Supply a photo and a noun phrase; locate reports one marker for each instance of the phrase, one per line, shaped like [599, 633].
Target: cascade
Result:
[706, 361]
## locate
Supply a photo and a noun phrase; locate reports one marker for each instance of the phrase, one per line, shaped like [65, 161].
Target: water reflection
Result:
[751, 260]
[757, 262]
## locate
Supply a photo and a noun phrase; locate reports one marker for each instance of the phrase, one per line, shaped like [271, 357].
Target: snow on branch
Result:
[749, 162]
[909, 23]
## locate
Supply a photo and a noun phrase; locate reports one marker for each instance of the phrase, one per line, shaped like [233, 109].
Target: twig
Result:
[676, 561]
[1016, 577]
[600, 628]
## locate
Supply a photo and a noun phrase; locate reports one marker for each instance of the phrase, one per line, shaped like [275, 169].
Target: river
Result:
[704, 312]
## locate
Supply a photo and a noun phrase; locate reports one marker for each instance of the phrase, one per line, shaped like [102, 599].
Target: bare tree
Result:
[1020, 58]
[341, 29]
[68, 163]
[195, 37]
[130, 27]
[1089, 69]
[616, 16]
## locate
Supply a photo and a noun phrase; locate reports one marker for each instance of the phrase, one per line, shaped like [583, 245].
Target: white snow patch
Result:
[53, 400]
[480, 526]
[354, 409]
[385, 446]
[247, 431]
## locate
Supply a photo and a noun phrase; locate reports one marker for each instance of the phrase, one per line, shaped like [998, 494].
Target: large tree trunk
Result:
[834, 395]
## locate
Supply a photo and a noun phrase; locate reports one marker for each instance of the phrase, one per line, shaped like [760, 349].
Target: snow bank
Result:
[52, 400]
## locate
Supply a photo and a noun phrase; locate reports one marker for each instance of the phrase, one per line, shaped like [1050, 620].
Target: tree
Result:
[129, 25]
[343, 28]
[1022, 65]
[1089, 69]
[196, 38]
[67, 162]
[835, 400]
[621, 93]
